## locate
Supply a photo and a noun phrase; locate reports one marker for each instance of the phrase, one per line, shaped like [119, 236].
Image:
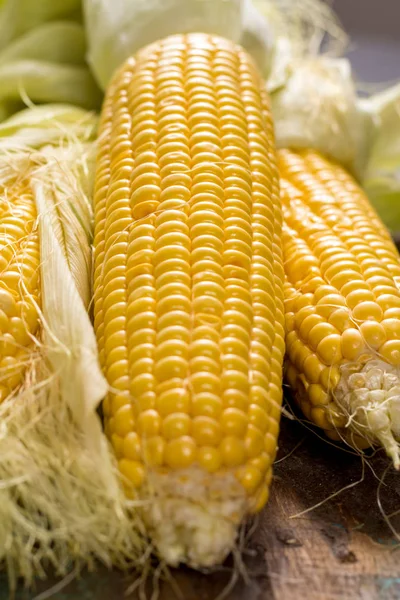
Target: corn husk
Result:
[382, 176]
[61, 502]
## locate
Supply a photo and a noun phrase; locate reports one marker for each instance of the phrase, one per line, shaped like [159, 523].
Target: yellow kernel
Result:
[148, 423]
[387, 301]
[291, 374]
[316, 395]
[270, 445]
[118, 400]
[206, 431]
[206, 404]
[319, 416]
[8, 345]
[153, 451]
[302, 301]
[234, 421]
[392, 313]
[373, 333]
[232, 451]
[262, 462]
[235, 399]
[308, 324]
[258, 417]
[353, 286]
[131, 446]
[261, 499]
[171, 366]
[312, 368]
[302, 314]
[209, 459]
[289, 322]
[323, 291]
[367, 311]
[254, 441]
[329, 378]
[172, 401]
[180, 452]
[106, 405]
[320, 332]
[352, 344]
[118, 445]
[7, 303]
[392, 328]
[4, 322]
[176, 425]
[357, 296]
[250, 477]
[390, 351]
[123, 421]
[133, 471]
[334, 416]
[329, 349]
[340, 319]
[4, 393]
[29, 315]
[330, 304]
[19, 331]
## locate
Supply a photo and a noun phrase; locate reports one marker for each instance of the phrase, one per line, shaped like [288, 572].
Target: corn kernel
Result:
[153, 451]
[148, 423]
[232, 451]
[180, 453]
[133, 471]
[250, 477]
[123, 421]
[206, 431]
[373, 333]
[131, 446]
[176, 425]
[209, 459]
[352, 344]
[254, 441]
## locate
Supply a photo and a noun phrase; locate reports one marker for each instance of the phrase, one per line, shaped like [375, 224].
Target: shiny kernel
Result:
[117, 401]
[4, 322]
[19, 331]
[316, 395]
[352, 344]
[148, 423]
[180, 453]
[392, 313]
[254, 441]
[392, 328]
[312, 368]
[261, 499]
[270, 445]
[320, 332]
[250, 477]
[387, 301]
[262, 462]
[329, 349]
[206, 431]
[367, 311]
[258, 417]
[172, 401]
[390, 351]
[232, 451]
[118, 445]
[176, 425]
[291, 374]
[7, 303]
[153, 451]
[373, 333]
[207, 405]
[133, 471]
[319, 417]
[308, 324]
[340, 319]
[209, 459]
[357, 296]
[131, 447]
[8, 345]
[302, 301]
[123, 421]
[234, 421]
[329, 378]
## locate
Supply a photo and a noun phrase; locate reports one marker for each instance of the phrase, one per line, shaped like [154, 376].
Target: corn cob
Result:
[188, 289]
[342, 304]
[19, 283]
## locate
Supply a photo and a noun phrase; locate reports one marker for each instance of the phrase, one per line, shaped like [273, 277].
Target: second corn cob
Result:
[188, 289]
[342, 304]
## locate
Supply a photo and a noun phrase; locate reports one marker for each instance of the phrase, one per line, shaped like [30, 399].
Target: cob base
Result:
[193, 518]
[369, 394]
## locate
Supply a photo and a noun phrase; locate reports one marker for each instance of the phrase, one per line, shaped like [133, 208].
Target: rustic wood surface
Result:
[341, 550]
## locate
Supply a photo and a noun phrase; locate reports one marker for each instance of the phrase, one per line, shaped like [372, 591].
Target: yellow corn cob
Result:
[19, 283]
[188, 289]
[342, 304]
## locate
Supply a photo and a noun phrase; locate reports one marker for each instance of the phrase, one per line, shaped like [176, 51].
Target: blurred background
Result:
[374, 26]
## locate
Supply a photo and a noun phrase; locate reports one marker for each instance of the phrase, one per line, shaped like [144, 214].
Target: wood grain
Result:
[341, 550]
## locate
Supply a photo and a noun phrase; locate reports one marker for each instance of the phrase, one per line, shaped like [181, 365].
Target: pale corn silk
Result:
[342, 304]
[188, 289]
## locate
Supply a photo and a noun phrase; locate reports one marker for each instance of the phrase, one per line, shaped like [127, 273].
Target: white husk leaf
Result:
[318, 108]
[62, 505]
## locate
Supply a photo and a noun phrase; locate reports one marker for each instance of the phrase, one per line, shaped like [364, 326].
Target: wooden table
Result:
[341, 550]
